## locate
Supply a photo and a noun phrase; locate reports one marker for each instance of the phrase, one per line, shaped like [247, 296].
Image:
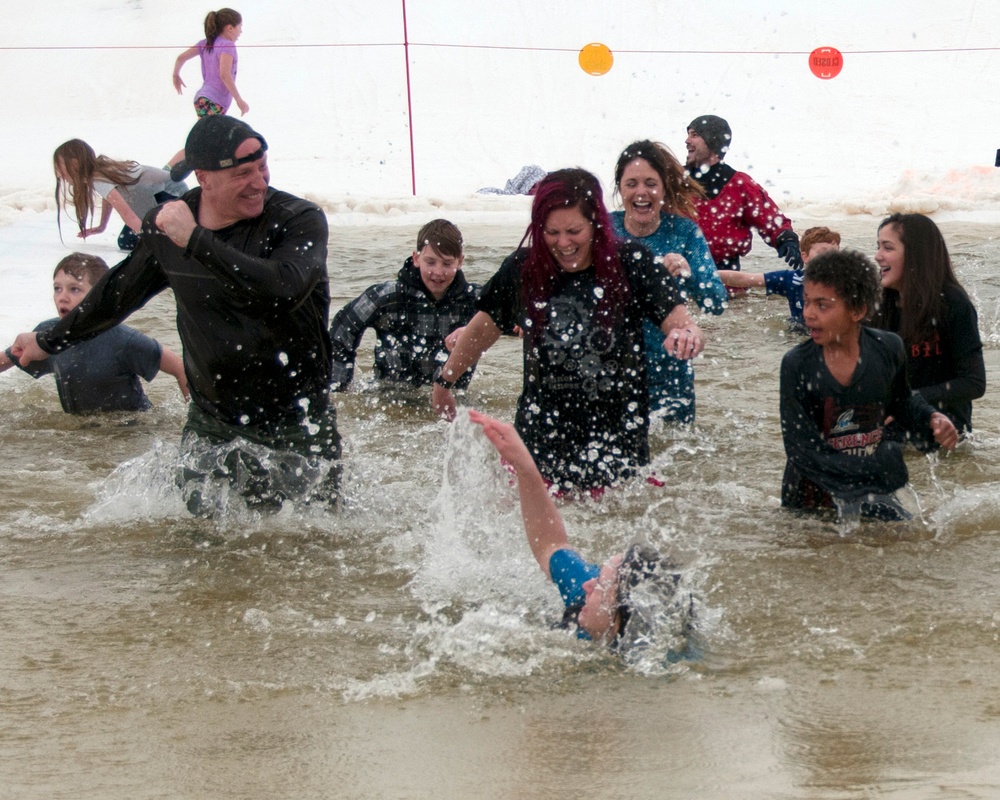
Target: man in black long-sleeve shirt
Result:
[247, 266]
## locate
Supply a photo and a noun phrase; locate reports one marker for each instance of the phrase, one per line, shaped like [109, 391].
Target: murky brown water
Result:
[400, 647]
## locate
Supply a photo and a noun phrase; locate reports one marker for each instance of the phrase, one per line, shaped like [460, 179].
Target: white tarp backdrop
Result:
[495, 84]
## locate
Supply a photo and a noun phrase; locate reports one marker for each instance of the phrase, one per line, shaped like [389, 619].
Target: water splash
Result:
[475, 546]
[141, 488]
[159, 484]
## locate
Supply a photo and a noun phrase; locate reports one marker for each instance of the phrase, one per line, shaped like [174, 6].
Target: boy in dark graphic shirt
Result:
[839, 389]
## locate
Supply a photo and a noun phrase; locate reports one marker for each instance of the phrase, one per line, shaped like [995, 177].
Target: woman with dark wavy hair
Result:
[658, 199]
[578, 297]
[926, 305]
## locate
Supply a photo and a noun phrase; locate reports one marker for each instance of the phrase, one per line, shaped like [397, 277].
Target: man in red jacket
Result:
[735, 204]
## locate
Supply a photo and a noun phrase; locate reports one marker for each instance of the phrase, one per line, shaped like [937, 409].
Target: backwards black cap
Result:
[212, 143]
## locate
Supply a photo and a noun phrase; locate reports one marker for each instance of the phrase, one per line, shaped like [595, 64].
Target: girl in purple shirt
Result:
[218, 64]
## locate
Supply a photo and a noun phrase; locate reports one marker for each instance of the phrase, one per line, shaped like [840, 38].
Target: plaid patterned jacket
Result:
[410, 327]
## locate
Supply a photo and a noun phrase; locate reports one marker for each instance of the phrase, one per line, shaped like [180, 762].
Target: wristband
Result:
[440, 381]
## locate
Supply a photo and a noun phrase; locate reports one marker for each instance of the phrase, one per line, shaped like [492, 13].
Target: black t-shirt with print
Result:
[834, 435]
[584, 407]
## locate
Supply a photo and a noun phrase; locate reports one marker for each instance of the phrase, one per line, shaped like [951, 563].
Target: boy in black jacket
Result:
[411, 315]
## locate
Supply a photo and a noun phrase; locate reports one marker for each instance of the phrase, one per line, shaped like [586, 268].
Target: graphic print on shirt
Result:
[578, 351]
[856, 430]
[927, 348]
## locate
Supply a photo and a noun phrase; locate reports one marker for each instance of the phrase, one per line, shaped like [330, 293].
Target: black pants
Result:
[265, 465]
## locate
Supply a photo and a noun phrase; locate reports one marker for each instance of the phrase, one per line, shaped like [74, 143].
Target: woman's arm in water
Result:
[543, 525]
[478, 336]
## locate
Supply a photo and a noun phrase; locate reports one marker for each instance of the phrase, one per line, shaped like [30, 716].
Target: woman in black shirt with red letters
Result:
[926, 305]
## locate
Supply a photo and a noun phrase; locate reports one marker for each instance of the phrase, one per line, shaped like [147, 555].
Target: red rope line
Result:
[43, 48]
[186, 46]
[409, 104]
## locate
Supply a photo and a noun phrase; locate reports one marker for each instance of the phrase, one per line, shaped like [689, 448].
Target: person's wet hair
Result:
[566, 189]
[927, 272]
[80, 166]
[443, 237]
[679, 188]
[643, 572]
[83, 267]
[852, 275]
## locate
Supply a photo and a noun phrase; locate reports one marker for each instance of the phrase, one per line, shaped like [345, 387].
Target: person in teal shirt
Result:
[657, 197]
[635, 600]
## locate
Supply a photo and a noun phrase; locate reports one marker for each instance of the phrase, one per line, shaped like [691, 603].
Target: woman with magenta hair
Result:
[579, 297]
[658, 199]
[926, 305]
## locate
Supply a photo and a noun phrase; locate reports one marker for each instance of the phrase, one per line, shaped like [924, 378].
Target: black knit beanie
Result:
[715, 131]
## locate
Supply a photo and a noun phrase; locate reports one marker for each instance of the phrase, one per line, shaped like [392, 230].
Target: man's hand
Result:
[788, 249]
[176, 220]
[25, 349]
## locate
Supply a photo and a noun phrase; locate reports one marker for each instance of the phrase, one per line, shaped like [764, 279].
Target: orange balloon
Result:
[596, 58]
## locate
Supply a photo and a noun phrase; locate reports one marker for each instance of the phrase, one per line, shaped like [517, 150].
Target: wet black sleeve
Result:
[966, 350]
[501, 296]
[285, 277]
[654, 287]
[348, 329]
